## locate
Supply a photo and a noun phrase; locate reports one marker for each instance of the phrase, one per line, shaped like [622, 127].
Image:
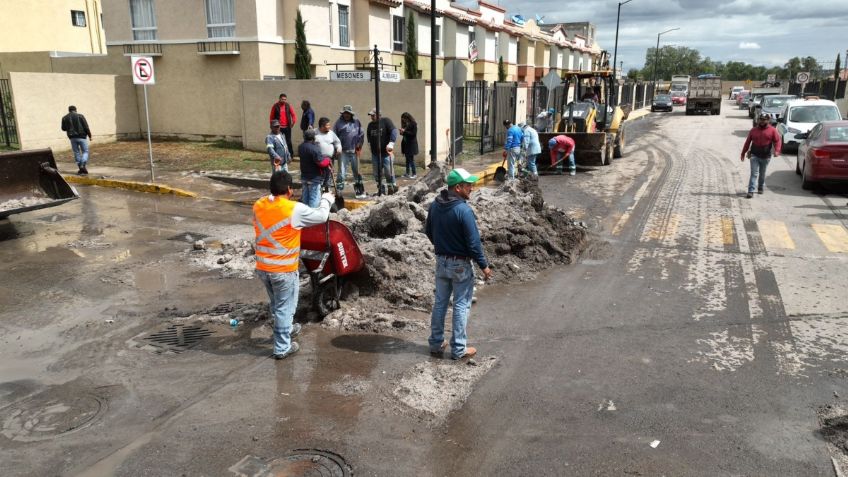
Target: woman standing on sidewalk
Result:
[409, 147]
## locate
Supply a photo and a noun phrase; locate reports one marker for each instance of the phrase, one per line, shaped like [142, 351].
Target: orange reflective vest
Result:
[277, 242]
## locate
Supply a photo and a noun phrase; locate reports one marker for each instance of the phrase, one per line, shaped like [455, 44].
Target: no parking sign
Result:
[142, 70]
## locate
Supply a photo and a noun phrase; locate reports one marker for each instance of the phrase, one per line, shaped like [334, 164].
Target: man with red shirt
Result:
[560, 147]
[284, 113]
[760, 139]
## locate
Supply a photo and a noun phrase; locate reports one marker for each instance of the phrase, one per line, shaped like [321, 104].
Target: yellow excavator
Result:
[596, 127]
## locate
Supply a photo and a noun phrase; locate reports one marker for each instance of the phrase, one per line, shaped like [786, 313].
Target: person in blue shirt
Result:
[307, 121]
[452, 229]
[532, 148]
[512, 146]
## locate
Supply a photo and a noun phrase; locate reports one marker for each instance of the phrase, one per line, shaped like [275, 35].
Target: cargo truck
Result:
[704, 95]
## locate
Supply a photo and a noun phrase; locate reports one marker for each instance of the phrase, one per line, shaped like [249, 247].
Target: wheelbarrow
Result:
[329, 253]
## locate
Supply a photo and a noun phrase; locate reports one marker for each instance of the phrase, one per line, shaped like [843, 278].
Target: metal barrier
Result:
[8, 127]
[484, 109]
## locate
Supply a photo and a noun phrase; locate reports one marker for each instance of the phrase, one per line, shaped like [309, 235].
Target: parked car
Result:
[678, 97]
[754, 105]
[662, 102]
[800, 115]
[734, 90]
[740, 98]
[823, 154]
[773, 105]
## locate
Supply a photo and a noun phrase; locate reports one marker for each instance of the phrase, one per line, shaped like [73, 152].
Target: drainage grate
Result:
[189, 237]
[177, 338]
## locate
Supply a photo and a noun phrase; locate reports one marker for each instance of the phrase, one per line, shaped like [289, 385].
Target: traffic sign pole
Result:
[144, 74]
[149, 141]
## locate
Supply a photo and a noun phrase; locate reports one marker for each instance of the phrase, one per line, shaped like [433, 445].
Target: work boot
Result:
[760, 190]
[749, 195]
[572, 172]
[469, 353]
[84, 170]
[294, 348]
[439, 352]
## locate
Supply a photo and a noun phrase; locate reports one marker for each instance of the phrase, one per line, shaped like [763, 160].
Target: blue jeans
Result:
[80, 147]
[452, 276]
[410, 164]
[531, 164]
[311, 191]
[282, 290]
[758, 167]
[388, 169]
[348, 159]
[512, 157]
[572, 166]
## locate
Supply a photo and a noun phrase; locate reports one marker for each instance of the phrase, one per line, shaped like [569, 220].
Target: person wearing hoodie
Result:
[313, 163]
[512, 147]
[532, 147]
[349, 130]
[452, 229]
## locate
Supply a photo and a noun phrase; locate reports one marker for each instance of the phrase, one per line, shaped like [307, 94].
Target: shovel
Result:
[500, 172]
[340, 202]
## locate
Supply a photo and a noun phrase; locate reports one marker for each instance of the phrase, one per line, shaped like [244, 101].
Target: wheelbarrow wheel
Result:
[325, 297]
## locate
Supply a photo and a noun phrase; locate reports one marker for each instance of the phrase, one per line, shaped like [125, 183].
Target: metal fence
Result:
[8, 127]
[826, 89]
[484, 108]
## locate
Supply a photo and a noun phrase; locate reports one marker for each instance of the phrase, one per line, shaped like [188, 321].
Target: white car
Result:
[800, 115]
[735, 90]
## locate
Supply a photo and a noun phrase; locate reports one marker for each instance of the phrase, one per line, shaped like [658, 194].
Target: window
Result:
[78, 18]
[143, 18]
[220, 18]
[330, 21]
[344, 22]
[438, 40]
[472, 36]
[398, 26]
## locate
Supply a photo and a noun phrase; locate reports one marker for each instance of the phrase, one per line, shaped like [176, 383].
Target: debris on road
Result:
[23, 202]
[654, 444]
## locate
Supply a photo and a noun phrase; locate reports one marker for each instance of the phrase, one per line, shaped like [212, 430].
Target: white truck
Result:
[704, 95]
[680, 83]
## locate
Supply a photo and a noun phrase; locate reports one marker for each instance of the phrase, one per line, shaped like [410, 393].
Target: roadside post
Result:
[455, 75]
[802, 77]
[143, 74]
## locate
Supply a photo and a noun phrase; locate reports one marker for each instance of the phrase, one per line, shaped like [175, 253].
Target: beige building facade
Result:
[64, 27]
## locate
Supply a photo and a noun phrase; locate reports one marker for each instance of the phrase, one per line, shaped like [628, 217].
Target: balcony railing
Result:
[218, 48]
[146, 49]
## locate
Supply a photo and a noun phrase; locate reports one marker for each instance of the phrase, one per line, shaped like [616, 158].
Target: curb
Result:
[130, 185]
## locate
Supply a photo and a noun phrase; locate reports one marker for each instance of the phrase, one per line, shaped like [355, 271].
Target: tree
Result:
[501, 70]
[410, 56]
[837, 67]
[302, 57]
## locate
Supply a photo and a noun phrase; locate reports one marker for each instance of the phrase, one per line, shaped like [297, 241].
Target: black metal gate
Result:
[485, 107]
[539, 99]
[822, 88]
[458, 120]
[8, 129]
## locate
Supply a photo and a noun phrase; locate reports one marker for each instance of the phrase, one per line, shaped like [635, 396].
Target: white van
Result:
[735, 90]
[800, 115]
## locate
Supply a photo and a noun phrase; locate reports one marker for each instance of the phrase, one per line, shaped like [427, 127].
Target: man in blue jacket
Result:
[512, 147]
[452, 229]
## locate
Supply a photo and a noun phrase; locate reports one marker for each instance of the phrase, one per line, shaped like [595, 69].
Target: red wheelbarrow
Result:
[329, 252]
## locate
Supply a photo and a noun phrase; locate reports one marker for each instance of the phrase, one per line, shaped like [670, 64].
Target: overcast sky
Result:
[758, 32]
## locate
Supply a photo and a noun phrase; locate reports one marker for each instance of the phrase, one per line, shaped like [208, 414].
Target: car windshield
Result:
[837, 134]
[663, 97]
[774, 102]
[813, 114]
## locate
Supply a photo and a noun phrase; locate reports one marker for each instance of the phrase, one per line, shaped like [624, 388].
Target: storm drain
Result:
[49, 415]
[177, 338]
[189, 237]
[298, 463]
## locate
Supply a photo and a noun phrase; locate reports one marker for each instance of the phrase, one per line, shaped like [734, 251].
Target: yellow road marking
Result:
[834, 237]
[665, 231]
[727, 230]
[775, 235]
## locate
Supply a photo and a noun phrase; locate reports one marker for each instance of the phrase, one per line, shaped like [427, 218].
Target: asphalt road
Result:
[701, 335]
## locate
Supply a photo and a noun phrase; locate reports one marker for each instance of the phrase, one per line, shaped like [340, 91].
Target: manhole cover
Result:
[177, 338]
[299, 463]
[189, 237]
[43, 417]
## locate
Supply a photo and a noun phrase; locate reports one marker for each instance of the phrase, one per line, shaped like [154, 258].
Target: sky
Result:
[757, 32]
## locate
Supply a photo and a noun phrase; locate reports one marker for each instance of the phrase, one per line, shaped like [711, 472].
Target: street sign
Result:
[357, 75]
[390, 76]
[142, 70]
[472, 51]
[551, 80]
[771, 78]
[455, 74]
[802, 77]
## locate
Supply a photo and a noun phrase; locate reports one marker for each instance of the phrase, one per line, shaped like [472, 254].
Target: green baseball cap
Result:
[457, 176]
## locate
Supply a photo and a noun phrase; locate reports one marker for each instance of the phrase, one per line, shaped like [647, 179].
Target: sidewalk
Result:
[246, 187]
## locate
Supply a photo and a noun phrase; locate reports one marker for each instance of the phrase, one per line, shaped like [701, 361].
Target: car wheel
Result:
[652, 109]
[806, 184]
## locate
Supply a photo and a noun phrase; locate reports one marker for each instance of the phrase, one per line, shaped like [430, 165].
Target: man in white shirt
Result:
[330, 144]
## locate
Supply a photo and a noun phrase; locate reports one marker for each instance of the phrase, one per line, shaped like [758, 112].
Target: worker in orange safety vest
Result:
[277, 221]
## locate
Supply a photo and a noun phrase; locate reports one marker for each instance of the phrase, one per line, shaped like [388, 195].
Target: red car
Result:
[678, 97]
[740, 97]
[823, 154]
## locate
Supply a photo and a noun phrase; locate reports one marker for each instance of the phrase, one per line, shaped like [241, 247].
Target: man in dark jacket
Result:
[312, 165]
[76, 126]
[452, 229]
[284, 113]
[382, 135]
[761, 139]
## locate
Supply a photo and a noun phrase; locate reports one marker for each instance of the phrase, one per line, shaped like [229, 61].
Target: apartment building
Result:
[63, 27]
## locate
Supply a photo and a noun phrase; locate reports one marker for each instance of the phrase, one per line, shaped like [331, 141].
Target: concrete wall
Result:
[45, 25]
[328, 97]
[108, 102]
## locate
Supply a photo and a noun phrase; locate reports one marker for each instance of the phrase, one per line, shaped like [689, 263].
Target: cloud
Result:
[749, 45]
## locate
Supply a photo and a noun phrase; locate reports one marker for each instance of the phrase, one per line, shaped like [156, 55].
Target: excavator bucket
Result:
[29, 180]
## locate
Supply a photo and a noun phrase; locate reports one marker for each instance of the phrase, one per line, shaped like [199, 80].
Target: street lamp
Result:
[615, 51]
[657, 55]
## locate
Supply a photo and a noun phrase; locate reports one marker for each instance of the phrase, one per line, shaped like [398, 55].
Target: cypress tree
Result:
[501, 70]
[410, 57]
[302, 57]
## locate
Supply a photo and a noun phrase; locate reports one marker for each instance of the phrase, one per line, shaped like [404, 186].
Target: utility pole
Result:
[615, 50]
[433, 53]
[657, 55]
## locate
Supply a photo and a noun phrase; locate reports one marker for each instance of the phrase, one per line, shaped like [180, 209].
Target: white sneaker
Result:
[413, 176]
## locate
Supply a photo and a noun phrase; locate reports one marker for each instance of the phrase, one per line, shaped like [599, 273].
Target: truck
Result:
[29, 180]
[704, 95]
[680, 83]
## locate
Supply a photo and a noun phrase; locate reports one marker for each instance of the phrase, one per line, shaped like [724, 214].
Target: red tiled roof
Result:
[388, 3]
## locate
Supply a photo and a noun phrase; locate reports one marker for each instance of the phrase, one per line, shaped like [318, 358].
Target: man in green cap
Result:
[452, 229]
